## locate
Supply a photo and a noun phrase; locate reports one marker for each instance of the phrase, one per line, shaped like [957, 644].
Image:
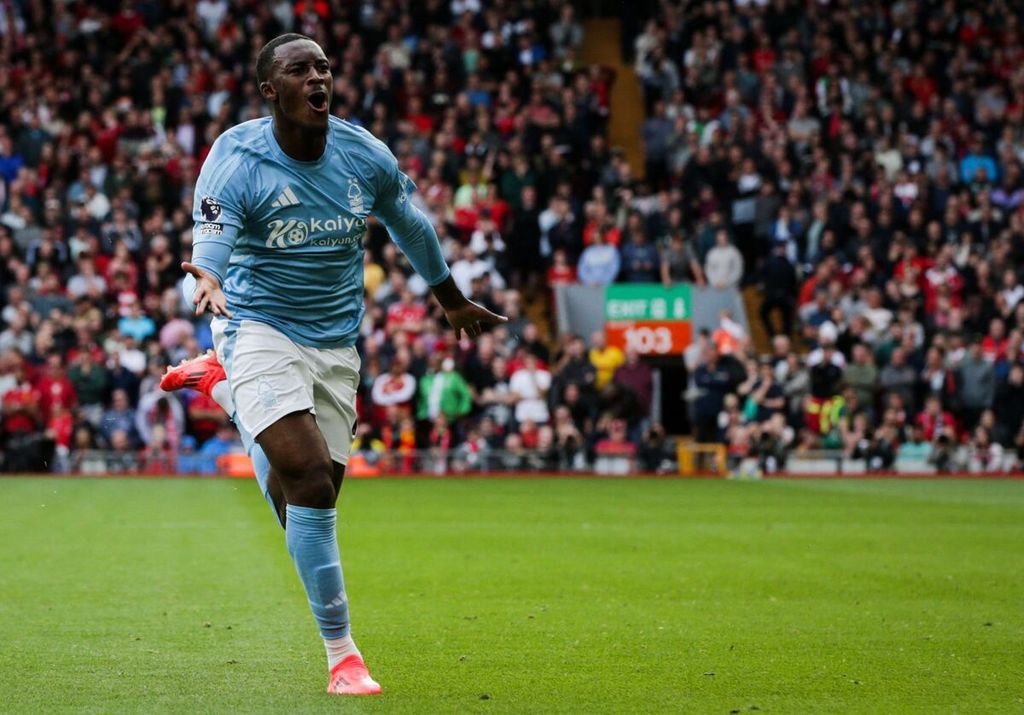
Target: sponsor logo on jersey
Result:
[210, 229]
[285, 233]
[209, 207]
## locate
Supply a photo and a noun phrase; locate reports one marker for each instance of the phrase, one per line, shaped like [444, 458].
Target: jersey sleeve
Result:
[408, 227]
[217, 209]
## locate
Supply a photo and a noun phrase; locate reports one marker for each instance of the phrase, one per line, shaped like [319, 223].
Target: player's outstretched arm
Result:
[461, 312]
[413, 233]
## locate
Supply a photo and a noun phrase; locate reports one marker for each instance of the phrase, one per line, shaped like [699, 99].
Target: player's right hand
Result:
[208, 294]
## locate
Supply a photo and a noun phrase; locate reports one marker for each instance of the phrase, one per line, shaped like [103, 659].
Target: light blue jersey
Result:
[285, 237]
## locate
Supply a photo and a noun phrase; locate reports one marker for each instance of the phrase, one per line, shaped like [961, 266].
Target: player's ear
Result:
[268, 91]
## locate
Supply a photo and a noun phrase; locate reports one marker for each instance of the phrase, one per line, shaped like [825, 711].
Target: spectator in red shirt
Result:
[22, 412]
[993, 346]
[395, 388]
[205, 416]
[407, 315]
[936, 421]
[60, 427]
[616, 442]
[54, 387]
[418, 117]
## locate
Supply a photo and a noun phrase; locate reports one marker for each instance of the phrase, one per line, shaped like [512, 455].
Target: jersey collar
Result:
[278, 152]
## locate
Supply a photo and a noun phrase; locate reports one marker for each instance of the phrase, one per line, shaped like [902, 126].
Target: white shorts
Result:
[272, 377]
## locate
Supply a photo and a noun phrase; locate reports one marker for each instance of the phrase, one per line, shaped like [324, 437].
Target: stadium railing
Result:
[694, 460]
[365, 463]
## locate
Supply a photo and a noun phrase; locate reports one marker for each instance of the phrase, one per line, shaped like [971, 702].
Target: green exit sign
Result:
[646, 301]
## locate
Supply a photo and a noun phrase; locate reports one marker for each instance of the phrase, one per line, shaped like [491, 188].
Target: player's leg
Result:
[302, 464]
[275, 386]
[269, 483]
[300, 460]
[335, 379]
[338, 477]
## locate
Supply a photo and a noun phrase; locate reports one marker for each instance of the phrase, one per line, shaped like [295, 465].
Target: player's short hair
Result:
[265, 59]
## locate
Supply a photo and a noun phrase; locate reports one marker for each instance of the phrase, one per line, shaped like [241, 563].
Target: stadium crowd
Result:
[859, 161]
[862, 163]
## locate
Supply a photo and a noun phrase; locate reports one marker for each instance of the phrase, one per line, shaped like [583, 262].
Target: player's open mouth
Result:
[318, 101]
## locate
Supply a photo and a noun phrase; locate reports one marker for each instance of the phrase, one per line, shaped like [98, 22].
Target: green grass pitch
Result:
[526, 595]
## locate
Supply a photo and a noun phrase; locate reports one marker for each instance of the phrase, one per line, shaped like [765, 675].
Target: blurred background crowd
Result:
[853, 167]
[864, 159]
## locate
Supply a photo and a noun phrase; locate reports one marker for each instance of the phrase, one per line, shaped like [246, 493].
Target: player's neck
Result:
[299, 143]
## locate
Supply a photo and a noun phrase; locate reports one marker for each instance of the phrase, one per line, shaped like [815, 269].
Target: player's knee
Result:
[310, 484]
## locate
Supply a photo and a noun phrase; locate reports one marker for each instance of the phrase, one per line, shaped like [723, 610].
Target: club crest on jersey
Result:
[355, 196]
[210, 208]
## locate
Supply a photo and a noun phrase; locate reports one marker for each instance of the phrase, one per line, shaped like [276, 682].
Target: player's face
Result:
[301, 84]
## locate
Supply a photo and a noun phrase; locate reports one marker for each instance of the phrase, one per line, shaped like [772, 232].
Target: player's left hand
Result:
[471, 317]
[208, 294]
[461, 312]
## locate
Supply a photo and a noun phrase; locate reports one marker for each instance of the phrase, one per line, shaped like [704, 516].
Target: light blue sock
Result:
[262, 466]
[313, 545]
[260, 463]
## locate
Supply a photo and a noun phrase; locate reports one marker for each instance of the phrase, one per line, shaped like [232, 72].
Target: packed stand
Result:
[107, 112]
[860, 164]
